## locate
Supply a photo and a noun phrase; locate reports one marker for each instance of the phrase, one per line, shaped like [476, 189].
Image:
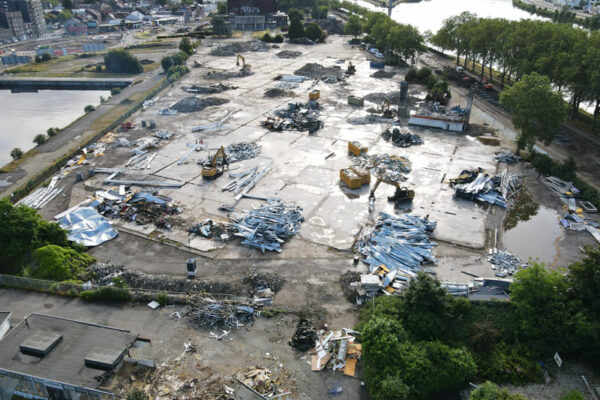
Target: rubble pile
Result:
[268, 226]
[277, 92]
[143, 208]
[304, 337]
[332, 27]
[317, 71]
[262, 381]
[289, 54]
[370, 119]
[507, 157]
[194, 104]
[224, 75]
[477, 185]
[401, 243]
[378, 97]
[336, 350]
[209, 89]
[505, 263]
[212, 230]
[242, 151]
[401, 139]
[261, 281]
[163, 135]
[231, 49]
[297, 116]
[301, 40]
[389, 167]
[212, 314]
[381, 74]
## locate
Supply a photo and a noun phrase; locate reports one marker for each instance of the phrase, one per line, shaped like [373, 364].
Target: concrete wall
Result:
[436, 123]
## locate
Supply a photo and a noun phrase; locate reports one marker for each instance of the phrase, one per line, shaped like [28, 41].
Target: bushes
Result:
[39, 139]
[176, 72]
[43, 57]
[162, 298]
[108, 293]
[186, 46]
[122, 62]
[296, 30]
[16, 153]
[174, 60]
[315, 33]
[55, 263]
[114, 91]
[267, 38]
[89, 108]
[53, 131]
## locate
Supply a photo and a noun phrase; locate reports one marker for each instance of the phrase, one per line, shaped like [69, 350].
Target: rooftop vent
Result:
[40, 343]
[105, 359]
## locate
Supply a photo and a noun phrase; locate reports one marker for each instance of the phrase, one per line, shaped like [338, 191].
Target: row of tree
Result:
[568, 56]
[425, 342]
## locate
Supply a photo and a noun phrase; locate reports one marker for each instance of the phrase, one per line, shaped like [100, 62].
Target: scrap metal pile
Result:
[401, 243]
[507, 157]
[268, 226]
[505, 263]
[242, 151]
[477, 185]
[297, 116]
[391, 168]
[401, 139]
[212, 230]
[42, 196]
[212, 314]
[336, 350]
[143, 208]
[244, 181]
[304, 337]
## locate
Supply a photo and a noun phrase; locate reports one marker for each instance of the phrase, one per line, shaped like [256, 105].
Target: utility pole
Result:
[390, 6]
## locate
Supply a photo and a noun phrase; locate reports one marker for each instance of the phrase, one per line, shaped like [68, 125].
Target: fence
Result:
[39, 285]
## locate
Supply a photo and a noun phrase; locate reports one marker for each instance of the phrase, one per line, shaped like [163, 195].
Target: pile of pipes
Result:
[267, 227]
[242, 151]
[507, 157]
[401, 139]
[336, 350]
[218, 314]
[297, 116]
[389, 167]
[477, 185]
[210, 229]
[401, 242]
[244, 181]
[42, 196]
[505, 263]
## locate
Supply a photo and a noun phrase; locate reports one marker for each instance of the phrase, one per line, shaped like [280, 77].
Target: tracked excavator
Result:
[214, 168]
[245, 67]
[402, 194]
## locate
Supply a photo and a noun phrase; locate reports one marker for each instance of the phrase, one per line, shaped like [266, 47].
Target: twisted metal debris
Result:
[401, 139]
[505, 263]
[242, 151]
[476, 185]
[216, 314]
[389, 167]
[267, 227]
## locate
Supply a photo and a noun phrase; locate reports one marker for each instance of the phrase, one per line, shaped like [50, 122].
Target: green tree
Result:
[186, 46]
[53, 131]
[57, 263]
[537, 110]
[353, 26]
[319, 12]
[295, 15]
[584, 279]
[16, 153]
[222, 7]
[315, 33]
[68, 4]
[572, 395]
[296, 29]
[121, 61]
[137, 394]
[449, 36]
[491, 391]
[39, 139]
[89, 108]
[65, 15]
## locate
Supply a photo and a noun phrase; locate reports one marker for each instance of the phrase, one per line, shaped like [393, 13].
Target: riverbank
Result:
[549, 10]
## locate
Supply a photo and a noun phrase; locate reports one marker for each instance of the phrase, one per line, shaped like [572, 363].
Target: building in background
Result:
[29, 23]
[13, 20]
[252, 7]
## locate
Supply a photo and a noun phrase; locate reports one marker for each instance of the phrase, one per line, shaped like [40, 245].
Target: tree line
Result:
[568, 56]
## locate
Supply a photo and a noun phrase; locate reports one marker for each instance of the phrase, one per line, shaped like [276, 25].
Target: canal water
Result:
[26, 114]
[429, 14]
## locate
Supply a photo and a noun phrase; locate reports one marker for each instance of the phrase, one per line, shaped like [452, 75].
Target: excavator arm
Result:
[213, 169]
[401, 194]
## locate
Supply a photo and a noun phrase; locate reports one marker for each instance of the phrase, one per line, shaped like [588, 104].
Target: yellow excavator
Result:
[402, 193]
[215, 167]
[245, 67]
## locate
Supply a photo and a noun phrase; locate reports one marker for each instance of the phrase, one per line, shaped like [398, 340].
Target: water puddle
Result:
[532, 231]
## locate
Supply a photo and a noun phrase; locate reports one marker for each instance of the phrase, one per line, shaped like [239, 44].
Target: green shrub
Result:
[89, 108]
[176, 72]
[137, 394]
[267, 38]
[162, 298]
[296, 29]
[174, 60]
[55, 263]
[98, 68]
[39, 139]
[121, 61]
[16, 153]
[119, 282]
[186, 46]
[109, 293]
[491, 391]
[114, 91]
[572, 395]
[53, 132]
[315, 33]
[278, 38]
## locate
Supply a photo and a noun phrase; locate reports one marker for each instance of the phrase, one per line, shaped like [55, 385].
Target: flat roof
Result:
[65, 362]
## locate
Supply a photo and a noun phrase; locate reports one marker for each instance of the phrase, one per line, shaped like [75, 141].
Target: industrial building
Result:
[50, 357]
[252, 7]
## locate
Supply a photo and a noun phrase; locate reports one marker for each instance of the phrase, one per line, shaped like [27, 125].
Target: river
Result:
[24, 115]
[429, 14]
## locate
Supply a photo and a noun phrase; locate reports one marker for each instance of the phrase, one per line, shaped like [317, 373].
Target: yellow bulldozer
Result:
[214, 168]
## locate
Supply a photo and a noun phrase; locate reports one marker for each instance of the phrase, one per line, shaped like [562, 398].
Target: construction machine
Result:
[351, 69]
[245, 67]
[402, 193]
[385, 110]
[214, 168]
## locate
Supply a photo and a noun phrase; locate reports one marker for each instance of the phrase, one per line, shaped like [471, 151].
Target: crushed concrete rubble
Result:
[317, 71]
[261, 380]
[381, 74]
[477, 185]
[224, 75]
[337, 350]
[391, 168]
[297, 116]
[304, 337]
[289, 54]
[332, 27]
[277, 92]
[225, 315]
[209, 89]
[378, 97]
[286, 85]
[231, 49]
[401, 243]
[370, 119]
[268, 226]
[194, 104]
[302, 40]
[505, 263]
[242, 151]
[507, 157]
[399, 139]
